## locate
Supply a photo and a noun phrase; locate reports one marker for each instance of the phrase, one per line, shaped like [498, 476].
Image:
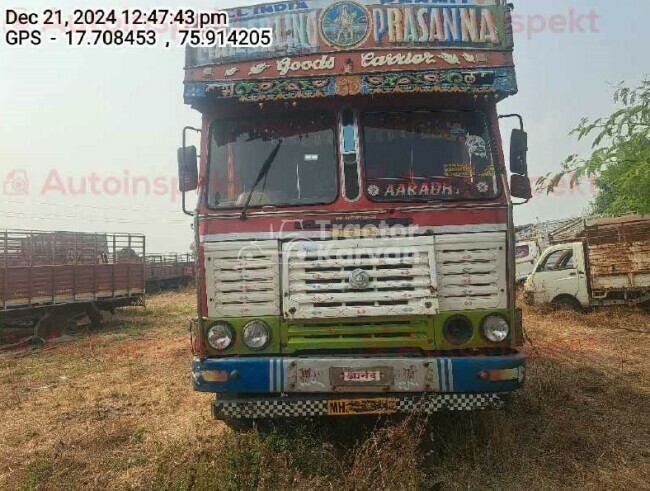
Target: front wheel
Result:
[262, 425]
[239, 425]
[567, 304]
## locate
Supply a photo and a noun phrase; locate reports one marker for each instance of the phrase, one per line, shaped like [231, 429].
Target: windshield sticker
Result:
[476, 146]
[458, 170]
[455, 188]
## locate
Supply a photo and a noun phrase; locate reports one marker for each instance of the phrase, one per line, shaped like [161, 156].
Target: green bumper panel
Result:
[409, 333]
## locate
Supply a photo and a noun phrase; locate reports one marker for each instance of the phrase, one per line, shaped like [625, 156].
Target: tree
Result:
[193, 249]
[620, 155]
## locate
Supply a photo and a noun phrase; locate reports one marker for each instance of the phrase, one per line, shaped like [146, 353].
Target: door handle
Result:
[573, 274]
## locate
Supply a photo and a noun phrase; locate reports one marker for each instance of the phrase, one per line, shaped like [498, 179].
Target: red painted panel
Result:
[449, 216]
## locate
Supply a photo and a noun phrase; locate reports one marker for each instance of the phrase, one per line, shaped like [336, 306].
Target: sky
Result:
[70, 116]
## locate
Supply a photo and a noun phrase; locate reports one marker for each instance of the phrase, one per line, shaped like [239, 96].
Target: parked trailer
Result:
[56, 277]
[165, 271]
[595, 262]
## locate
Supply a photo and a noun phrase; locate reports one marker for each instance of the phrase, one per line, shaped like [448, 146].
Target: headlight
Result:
[495, 328]
[528, 285]
[221, 336]
[256, 335]
[458, 330]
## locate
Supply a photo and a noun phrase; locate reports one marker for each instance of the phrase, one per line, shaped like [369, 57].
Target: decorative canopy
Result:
[339, 48]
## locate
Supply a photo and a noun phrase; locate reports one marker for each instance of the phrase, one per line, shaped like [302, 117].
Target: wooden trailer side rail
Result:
[619, 253]
[57, 268]
[161, 269]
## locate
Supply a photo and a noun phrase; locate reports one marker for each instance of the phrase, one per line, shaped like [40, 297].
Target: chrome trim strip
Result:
[302, 234]
[449, 206]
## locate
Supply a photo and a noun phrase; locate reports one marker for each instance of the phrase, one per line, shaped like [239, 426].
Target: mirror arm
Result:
[190, 128]
[188, 213]
[518, 116]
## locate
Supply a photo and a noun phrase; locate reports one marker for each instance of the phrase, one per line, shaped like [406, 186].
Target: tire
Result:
[238, 425]
[247, 425]
[645, 307]
[567, 304]
[53, 325]
[95, 316]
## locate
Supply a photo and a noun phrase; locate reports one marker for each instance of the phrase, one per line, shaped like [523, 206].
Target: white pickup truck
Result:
[602, 261]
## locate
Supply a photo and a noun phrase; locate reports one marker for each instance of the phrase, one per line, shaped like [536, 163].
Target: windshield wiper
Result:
[264, 170]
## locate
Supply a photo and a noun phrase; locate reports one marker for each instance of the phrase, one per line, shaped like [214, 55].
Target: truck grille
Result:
[471, 271]
[399, 271]
[242, 279]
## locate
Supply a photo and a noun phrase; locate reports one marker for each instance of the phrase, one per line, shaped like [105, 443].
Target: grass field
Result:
[115, 409]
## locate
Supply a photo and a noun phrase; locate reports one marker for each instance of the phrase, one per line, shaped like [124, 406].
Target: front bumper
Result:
[324, 375]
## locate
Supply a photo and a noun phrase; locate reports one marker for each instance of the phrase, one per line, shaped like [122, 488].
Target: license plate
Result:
[362, 376]
[342, 407]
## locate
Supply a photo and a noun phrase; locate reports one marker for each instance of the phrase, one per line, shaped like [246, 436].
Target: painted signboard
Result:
[311, 27]
[437, 188]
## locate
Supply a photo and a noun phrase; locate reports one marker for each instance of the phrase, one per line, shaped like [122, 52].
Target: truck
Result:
[168, 271]
[51, 278]
[353, 225]
[594, 262]
[526, 254]
[532, 240]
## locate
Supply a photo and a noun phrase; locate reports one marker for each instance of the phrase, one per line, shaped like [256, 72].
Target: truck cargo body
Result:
[164, 271]
[595, 262]
[50, 272]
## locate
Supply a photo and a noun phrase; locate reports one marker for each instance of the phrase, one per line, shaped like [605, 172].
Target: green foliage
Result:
[38, 471]
[620, 158]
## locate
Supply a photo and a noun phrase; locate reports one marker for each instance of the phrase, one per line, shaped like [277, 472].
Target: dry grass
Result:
[115, 410]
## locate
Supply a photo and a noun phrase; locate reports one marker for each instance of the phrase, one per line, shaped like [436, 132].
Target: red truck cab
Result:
[354, 222]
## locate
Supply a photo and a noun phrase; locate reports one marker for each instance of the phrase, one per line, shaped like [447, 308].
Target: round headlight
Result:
[458, 330]
[256, 335]
[221, 336]
[495, 328]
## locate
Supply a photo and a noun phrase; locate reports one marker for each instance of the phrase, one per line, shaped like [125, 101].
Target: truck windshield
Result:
[303, 172]
[427, 156]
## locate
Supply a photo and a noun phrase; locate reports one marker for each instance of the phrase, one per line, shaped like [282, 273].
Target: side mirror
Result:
[520, 187]
[188, 171]
[518, 151]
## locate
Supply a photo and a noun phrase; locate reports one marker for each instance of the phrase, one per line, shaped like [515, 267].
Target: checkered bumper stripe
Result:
[279, 407]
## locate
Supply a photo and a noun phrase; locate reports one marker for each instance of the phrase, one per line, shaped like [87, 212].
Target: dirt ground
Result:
[115, 409]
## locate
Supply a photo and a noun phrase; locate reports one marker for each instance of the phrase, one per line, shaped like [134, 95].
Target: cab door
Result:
[558, 273]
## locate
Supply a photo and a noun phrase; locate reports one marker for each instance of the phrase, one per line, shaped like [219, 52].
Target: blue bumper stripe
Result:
[479, 374]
